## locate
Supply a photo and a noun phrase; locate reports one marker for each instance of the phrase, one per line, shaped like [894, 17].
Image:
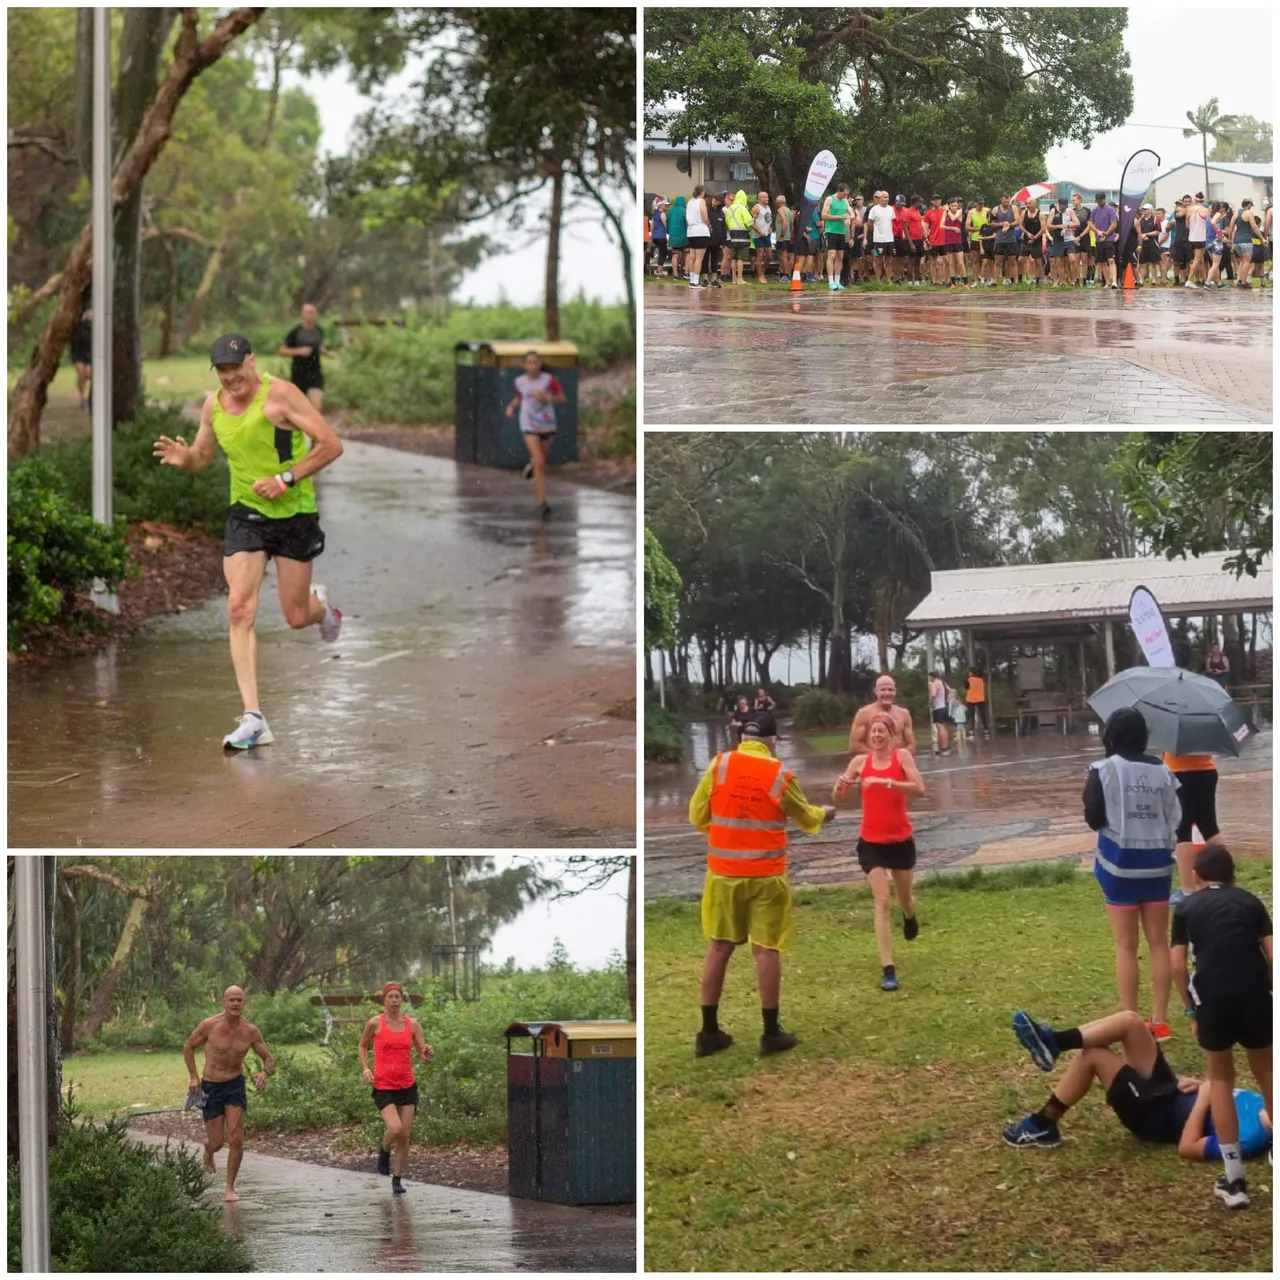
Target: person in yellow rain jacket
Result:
[742, 805]
[737, 221]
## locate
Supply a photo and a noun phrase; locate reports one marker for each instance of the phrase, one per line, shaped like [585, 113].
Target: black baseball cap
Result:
[761, 725]
[231, 348]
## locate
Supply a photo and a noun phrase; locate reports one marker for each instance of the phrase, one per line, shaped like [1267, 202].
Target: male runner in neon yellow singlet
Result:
[262, 424]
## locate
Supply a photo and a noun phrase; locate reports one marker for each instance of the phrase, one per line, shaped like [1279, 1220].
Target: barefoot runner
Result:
[884, 777]
[537, 394]
[886, 692]
[226, 1037]
[395, 1091]
[263, 425]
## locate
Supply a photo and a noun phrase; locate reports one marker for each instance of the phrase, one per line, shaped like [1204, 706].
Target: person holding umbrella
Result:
[1131, 801]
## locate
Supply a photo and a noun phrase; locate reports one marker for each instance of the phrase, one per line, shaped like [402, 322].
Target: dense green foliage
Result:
[663, 732]
[820, 709]
[55, 548]
[393, 374]
[661, 594]
[115, 1205]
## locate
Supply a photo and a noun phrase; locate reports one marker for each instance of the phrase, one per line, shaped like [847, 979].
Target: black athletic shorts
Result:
[291, 538]
[900, 248]
[1150, 252]
[1259, 254]
[1147, 1108]
[938, 250]
[1009, 250]
[86, 357]
[221, 1094]
[939, 715]
[395, 1097]
[1181, 252]
[305, 384]
[835, 242]
[898, 856]
[1035, 250]
[1243, 1019]
[988, 250]
[1198, 791]
[1105, 252]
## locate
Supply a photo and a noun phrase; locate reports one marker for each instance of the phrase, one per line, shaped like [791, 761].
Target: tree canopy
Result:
[915, 100]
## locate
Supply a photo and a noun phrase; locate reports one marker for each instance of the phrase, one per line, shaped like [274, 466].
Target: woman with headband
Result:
[394, 1036]
[884, 777]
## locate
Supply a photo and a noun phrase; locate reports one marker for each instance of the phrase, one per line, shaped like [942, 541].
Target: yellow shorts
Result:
[742, 909]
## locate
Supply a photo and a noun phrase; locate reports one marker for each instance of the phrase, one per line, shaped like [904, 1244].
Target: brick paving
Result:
[742, 355]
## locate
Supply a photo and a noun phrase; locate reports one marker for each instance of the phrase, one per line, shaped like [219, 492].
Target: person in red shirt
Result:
[882, 779]
[395, 1091]
[914, 226]
[932, 219]
[898, 263]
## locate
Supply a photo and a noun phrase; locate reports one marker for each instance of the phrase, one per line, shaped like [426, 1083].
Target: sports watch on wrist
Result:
[287, 477]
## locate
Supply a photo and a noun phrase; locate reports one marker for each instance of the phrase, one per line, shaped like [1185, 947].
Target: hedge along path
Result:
[191, 57]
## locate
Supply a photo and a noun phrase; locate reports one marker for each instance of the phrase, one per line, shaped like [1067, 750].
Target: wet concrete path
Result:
[1152, 355]
[306, 1217]
[987, 804]
[474, 635]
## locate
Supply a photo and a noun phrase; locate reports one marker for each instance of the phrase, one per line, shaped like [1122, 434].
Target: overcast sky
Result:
[590, 926]
[1179, 59]
[589, 261]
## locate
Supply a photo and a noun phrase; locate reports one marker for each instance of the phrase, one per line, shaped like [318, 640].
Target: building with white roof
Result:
[1233, 183]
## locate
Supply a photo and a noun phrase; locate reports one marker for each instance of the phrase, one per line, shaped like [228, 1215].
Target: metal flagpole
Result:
[33, 1113]
[103, 323]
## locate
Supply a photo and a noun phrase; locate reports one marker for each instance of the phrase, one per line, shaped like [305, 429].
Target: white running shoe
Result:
[252, 731]
[331, 623]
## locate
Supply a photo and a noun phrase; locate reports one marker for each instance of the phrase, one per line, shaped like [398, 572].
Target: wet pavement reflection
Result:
[306, 1217]
[979, 356]
[987, 803]
[471, 631]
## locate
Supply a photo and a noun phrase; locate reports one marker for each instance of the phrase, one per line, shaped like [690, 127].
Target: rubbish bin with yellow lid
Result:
[571, 1111]
[484, 384]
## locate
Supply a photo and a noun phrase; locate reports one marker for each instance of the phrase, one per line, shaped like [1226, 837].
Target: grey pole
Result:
[103, 322]
[33, 1115]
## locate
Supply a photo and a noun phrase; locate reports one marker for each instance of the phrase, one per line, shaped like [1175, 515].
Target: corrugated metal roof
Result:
[1084, 589]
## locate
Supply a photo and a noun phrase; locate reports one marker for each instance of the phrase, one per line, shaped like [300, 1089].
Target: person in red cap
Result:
[394, 1035]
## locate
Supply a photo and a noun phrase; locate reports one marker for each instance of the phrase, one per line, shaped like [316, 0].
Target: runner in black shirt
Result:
[82, 355]
[1229, 996]
[305, 343]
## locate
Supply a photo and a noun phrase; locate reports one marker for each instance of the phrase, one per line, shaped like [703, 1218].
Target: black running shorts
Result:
[221, 1094]
[395, 1097]
[1009, 250]
[835, 242]
[1243, 1019]
[900, 855]
[1105, 252]
[290, 538]
[1150, 252]
[1181, 252]
[1198, 792]
[1148, 1108]
[939, 715]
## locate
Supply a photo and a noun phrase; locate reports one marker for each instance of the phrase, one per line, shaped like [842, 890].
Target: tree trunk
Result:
[624, 246]
[141, 43]
[631, 936]
[1253, 648]
[191, 57]
[100, 1006]
[553, 255]
[83, 141]
[71, 984]
[195, 312]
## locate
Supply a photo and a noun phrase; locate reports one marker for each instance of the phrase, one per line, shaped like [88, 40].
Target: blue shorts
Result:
[1121, 891]
[221, 1094]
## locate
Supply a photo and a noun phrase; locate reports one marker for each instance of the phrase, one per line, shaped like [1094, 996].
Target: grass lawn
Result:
[875, 1145]
[836, 740]
[130, 1081]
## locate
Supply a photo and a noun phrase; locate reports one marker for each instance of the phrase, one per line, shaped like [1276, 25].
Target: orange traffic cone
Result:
[1128, 275]
[796, 283]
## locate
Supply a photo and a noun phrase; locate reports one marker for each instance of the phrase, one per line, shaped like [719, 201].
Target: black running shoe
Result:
[545, 510]
[396, 1187]
[384, 1161]
[528, 471]
[778, 1043]
[705, 1043]
[910, 928]
[1234, 1194]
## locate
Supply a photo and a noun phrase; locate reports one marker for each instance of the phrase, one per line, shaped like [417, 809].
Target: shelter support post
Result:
[1109, 639]
[33, 1115]
[928, 667]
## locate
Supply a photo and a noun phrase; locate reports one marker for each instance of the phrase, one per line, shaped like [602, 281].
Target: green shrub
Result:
[820, 709]
[143, 489]
[287, 1017]
[115, 1205]
[663, 733]
[54, 548]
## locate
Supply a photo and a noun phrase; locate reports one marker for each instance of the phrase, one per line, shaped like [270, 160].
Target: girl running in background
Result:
[537, 394]
[881, 780]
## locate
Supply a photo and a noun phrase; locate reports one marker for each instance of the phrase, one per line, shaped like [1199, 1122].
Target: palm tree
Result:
[1205, 120]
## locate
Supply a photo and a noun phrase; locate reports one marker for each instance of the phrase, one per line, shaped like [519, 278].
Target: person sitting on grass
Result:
[1229, 996]
[1140, 1087]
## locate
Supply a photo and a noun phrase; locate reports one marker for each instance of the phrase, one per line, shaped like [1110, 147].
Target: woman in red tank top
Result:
[395, 1091]
[884, 778]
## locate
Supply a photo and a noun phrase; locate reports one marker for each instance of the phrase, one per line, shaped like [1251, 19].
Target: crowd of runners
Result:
[714, 239]
[746, 797]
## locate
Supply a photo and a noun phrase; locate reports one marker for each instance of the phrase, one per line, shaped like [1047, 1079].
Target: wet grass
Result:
[129, 1082]
[827, 741]
[875, 1145]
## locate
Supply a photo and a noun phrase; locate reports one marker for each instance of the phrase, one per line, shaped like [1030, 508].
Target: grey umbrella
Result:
[1186, 713]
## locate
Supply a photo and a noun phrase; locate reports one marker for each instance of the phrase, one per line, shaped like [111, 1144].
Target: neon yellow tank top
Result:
[255, 447]
[979, 221]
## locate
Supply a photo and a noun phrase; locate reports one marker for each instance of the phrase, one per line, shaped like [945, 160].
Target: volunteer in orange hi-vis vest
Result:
[742, 804]
[976, 697]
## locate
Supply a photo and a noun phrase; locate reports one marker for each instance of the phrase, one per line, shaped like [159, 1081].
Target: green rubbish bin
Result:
[571, 1112]
[484, 384]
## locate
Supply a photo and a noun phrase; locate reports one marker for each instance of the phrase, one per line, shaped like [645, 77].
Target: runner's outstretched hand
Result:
[172, 453]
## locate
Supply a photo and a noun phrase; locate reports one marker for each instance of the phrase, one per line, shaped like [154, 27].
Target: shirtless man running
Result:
[886, 692]
[227, 1037]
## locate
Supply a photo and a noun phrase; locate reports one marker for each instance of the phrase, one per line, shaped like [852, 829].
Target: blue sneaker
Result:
[1176, 897]
[252, 731]
[1030, 1132]
[889, 982]
[1037, 1039]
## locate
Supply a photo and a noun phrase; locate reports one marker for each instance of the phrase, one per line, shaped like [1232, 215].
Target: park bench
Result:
[1044, 710]
[346, 1000]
